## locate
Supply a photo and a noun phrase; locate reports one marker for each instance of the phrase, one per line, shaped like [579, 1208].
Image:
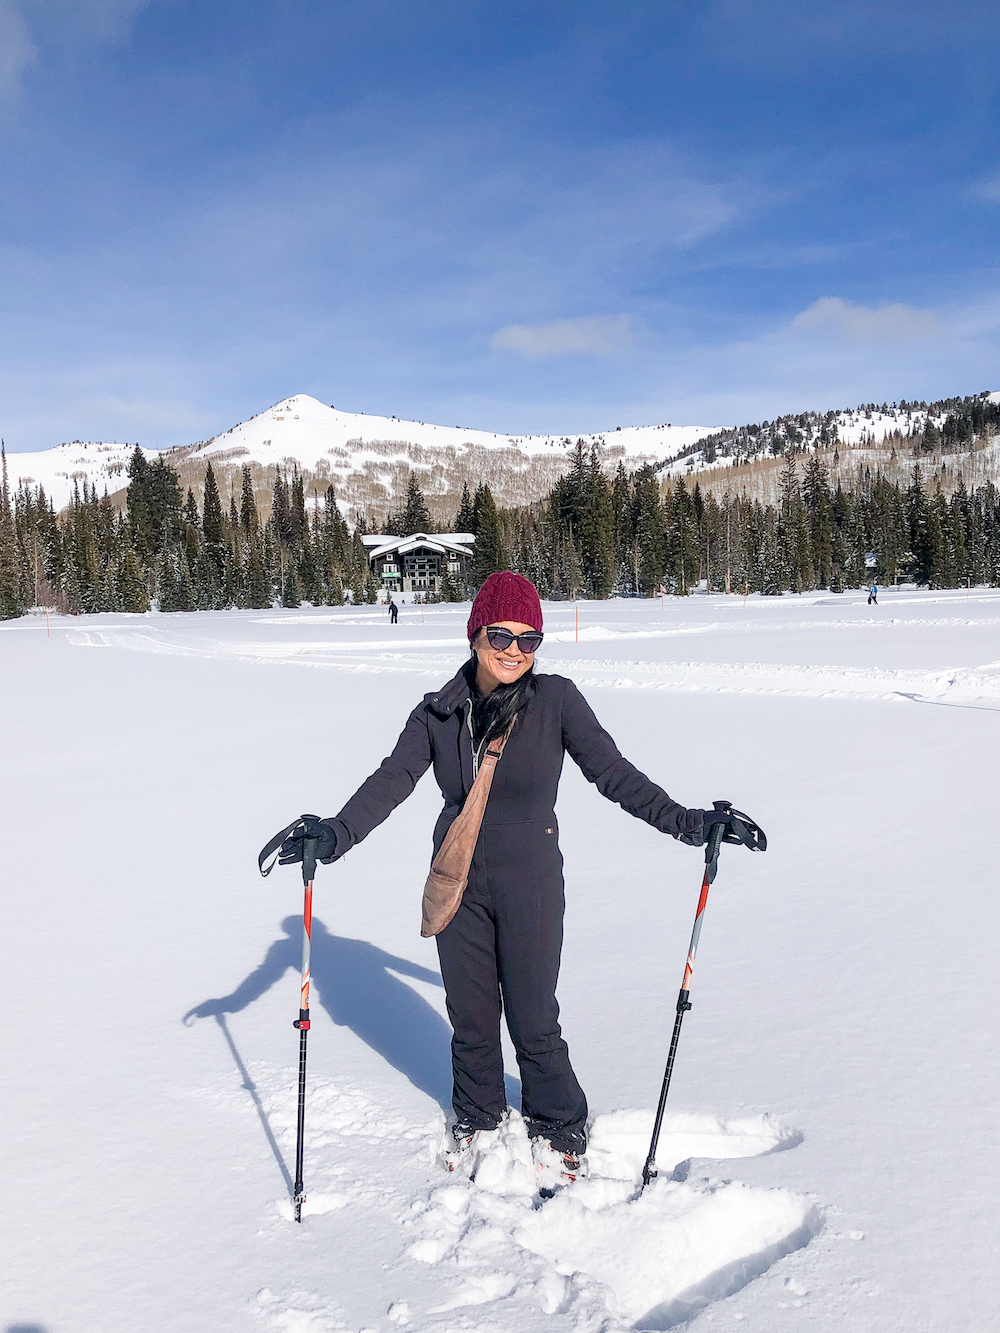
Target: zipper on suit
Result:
[476, 751]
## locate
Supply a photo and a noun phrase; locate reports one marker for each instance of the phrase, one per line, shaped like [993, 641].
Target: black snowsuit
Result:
[501, 951]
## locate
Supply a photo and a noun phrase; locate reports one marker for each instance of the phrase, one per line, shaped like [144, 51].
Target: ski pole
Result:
[302, 1022]
[303, 828]
[740, 829]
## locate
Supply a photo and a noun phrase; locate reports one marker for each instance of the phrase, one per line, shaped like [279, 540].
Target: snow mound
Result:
[651, 1259]
[674, 1249]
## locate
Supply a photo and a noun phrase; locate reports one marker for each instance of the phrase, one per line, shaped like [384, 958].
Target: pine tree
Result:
[334, 549]
[249, 518]
[415, 517]
[257, 593]
[137, 504]
[683, 548]
[793, 534]
[213, 525]
[571, 581]
[487, 554]
[12, 602]
[623, 535]
[819, 510]
[133, 593]
[290, 590]
[648, 554]
[465, 518]
[593, 529]
[358, 568]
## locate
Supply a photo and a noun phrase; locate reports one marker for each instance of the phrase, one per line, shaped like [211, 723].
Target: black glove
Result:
[738, 828]
[292, 851]
[288, 846]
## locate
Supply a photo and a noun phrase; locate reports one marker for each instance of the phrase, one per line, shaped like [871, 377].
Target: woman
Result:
[500, 952]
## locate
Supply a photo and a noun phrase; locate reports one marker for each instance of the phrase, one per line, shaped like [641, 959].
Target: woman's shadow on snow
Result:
[353, 982]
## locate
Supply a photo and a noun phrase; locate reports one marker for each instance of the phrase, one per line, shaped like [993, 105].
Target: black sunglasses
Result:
[500, 638]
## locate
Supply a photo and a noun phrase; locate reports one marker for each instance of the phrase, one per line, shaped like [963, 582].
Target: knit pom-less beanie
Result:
[506, 596]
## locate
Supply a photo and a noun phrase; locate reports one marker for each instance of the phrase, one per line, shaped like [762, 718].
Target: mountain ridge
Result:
[368, 458]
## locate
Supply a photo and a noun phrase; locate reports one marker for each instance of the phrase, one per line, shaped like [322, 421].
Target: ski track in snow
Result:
[949, 684]
[597, 1254]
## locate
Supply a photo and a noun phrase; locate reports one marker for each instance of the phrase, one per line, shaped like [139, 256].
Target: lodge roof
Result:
[439, 542]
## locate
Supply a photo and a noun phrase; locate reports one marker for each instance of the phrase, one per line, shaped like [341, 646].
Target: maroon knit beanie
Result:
[506, 596]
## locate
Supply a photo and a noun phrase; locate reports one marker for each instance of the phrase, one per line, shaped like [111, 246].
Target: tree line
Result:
[592, 536]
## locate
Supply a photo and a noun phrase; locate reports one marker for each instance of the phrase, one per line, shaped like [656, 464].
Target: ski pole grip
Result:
[715, 835]
[308, 860]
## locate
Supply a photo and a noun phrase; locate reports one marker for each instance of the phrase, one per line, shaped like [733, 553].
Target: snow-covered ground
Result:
[829, 1161]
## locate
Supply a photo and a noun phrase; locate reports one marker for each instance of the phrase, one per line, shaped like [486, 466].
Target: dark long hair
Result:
[493, 713]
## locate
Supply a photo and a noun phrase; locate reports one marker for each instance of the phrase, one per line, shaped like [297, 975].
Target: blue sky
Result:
[514, 216]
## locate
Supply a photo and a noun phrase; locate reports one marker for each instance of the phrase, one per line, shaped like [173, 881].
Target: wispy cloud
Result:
[17, 50]
[593, 335]
[25, 25]
[988, 189]
[832, 317]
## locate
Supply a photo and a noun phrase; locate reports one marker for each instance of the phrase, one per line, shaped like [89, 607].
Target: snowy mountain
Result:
[310, 432]
[366, 457]
[953, 422]
[58, 470]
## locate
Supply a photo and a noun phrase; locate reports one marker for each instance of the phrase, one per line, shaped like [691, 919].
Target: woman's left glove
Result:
[292, 850]
[738, 827]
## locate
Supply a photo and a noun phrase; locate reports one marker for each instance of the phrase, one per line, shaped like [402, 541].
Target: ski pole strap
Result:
[273, 847]
[742, 829]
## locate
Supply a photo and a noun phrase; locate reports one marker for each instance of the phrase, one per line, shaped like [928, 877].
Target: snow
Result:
[828, 1159]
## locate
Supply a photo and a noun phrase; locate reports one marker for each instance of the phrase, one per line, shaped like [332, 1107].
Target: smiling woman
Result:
[496, 735]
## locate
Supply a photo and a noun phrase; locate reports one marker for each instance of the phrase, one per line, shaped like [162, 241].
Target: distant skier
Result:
[873, 594]
[393, 610]
[499, 953]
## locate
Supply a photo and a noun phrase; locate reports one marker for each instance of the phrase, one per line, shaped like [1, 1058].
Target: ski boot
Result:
[555, 1168]
[460, 1154]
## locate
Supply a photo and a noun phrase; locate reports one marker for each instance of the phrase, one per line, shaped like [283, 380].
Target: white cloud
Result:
[860, 323]
[593, 335]
[17, 51]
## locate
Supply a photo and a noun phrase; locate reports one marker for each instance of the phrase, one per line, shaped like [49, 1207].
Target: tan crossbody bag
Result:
[449, 871]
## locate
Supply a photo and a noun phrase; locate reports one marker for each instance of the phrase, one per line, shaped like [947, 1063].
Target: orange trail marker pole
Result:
[48, 632]
[578, 624]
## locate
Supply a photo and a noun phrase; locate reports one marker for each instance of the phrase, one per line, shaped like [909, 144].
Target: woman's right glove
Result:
[288, 846]
[292, 850]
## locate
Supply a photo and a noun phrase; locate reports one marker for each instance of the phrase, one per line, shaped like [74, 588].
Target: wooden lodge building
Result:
[418, 563]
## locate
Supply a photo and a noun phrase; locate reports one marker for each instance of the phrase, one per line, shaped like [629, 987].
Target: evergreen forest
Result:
[592, 536]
